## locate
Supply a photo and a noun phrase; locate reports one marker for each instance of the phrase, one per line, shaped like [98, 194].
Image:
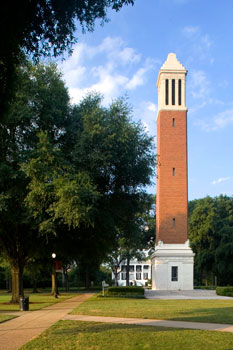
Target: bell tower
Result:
[173, 258]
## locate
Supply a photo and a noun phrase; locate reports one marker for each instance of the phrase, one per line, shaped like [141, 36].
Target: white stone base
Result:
[166, 256]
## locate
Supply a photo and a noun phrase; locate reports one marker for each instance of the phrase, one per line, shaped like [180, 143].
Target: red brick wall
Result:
[172, 191]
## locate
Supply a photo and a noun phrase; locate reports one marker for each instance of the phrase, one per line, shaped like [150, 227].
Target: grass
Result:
[4, 318]
[36, 301]
[74, 335]
[214, 311]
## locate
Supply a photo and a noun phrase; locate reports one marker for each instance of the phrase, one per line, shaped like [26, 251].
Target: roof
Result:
[172, 63]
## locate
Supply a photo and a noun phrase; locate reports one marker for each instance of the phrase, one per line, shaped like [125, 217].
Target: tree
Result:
[43, 28]
[66, 171]
[211, 237]
[104, 146]
[136, 234]
[29, 113]
[118, 156]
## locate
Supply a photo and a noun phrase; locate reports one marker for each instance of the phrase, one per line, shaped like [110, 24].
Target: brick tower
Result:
[173, 259]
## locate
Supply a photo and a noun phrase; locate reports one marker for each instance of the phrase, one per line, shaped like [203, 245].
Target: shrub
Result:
[125, 291]
[225, 291]
[205, 287]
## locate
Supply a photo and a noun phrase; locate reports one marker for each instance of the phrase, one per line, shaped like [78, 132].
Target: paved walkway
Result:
[151, 322]
[18, 331]
[184, 294]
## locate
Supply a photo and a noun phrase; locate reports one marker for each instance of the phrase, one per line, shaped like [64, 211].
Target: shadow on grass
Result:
[210, 315]
[76, 327]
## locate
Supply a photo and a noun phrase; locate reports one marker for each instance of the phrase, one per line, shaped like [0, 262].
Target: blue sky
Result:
[125, 55]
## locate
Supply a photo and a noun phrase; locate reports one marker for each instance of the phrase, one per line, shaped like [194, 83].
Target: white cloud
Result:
[152, 107]
[190, 30]
[199, 84]
[220, 121]
[137, 79]
[198, 45]
[110, 68]
[147, 113]
[220, 180]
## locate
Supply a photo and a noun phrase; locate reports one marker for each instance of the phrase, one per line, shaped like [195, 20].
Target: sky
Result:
[123, 58]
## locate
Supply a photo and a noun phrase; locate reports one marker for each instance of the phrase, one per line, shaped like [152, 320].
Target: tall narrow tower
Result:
[173, 259]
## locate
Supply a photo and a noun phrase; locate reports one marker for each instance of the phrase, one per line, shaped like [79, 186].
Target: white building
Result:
[139, 273]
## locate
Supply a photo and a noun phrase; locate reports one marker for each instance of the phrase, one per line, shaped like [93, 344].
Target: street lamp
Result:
[54, 276]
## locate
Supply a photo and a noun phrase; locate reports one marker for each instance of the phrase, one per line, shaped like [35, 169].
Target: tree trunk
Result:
[34, 287]
[115, 276]
[17, 284]
[127, 270]
[8, 282]
[87, 278]
[67, 284]
[54, 290]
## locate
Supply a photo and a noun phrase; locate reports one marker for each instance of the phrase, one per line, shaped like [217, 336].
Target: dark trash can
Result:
[24, 303]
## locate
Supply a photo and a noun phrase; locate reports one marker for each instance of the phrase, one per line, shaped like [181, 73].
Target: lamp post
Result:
[54, 277]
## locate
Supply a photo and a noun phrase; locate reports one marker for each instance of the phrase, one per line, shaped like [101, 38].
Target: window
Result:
[131, 268]
[145, 267]
[179, 92]
[131, 276]
[118, 276]
[173, 91]
[123, 268]
[138, 276]
[173, 171]
[174, 273]
[145, 276]
[173, 122]
[166, 92]
[138, 268]
[123, 276]
[173, 222]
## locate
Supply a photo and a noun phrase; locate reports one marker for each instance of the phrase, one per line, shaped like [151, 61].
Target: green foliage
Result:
[125, 290]
[71, 176]
[55, 191]
[43, 28]
[30, 111]
[211, 236]
[225, 291]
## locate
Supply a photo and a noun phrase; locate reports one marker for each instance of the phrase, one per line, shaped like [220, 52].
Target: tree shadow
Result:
[222, 315]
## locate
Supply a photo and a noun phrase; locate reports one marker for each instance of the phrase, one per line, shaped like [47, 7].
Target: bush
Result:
[125, 291]
[205, 287]
[225, 291]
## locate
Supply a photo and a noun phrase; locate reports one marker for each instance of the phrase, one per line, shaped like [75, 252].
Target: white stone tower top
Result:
[171, 84]
[172, 64]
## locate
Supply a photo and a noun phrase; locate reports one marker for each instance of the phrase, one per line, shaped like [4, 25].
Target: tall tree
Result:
[43, 28]
[29, 113]
[211, 237]
[115, 154]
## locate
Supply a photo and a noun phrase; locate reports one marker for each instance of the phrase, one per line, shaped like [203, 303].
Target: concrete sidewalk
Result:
[151, 322]
[18, 331]
[201, 294]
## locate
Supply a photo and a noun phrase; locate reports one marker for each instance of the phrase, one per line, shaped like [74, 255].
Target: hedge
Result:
[125, 290]
[225, 291]
[205, 287]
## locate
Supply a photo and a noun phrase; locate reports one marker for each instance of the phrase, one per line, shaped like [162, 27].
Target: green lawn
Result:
[4, 318]
[216, 311]
[74, 335]
[36, 301]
